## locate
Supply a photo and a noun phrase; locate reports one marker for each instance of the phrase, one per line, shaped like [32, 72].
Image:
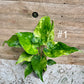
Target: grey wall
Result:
[56, 74]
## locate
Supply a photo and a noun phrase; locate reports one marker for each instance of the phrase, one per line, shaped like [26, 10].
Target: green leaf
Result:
[25, 63]
[28, 69]
[13, 42]
[51, 34]
[24, 57]
[38, 65]
[45, 30]
[25, 39]
[45, 69]
[36, 41]
[50, 62]
[58, 49]
[51, 44]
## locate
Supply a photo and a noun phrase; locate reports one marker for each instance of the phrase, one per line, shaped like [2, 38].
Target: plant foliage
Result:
[38, 46]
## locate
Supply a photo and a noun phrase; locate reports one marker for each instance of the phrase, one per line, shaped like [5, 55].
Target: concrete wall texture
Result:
[55, 74]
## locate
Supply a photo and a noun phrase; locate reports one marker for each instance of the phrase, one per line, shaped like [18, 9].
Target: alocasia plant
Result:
[38, 46]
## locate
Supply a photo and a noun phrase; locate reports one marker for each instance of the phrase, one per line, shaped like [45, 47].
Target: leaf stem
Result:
[39, 50]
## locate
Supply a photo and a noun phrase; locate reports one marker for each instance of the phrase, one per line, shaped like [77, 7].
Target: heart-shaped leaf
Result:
[24, 57]
[13, 42]
[28, 69]
[25, 39]
[58, 49]
[38, 65]
[45, 30]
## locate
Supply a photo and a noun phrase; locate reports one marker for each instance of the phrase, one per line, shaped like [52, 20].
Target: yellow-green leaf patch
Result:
[59, 49]
[25, 39]
[24, 57]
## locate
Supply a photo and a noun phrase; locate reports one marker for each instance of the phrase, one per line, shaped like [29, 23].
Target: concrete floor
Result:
[56, 74]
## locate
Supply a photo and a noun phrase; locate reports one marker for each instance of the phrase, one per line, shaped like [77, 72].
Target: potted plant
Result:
[38, 46]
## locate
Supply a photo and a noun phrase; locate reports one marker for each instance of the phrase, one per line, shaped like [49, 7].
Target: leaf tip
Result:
[25, 76]
[16, 63]
[42, 79]
[4, 43]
